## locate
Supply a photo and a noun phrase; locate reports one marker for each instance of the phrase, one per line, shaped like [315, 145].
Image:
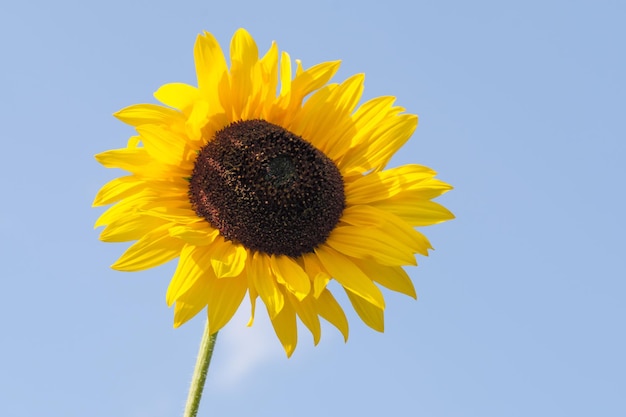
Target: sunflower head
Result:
[269, 181]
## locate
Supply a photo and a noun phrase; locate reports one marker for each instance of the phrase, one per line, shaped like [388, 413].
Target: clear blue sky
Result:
[521, 309]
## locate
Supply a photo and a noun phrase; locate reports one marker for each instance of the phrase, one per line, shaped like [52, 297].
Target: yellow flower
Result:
[269, 184]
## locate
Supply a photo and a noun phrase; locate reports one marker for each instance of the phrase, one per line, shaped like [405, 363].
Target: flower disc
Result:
[267, 188]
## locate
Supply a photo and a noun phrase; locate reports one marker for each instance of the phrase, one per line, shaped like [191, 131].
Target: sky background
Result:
[521, 306]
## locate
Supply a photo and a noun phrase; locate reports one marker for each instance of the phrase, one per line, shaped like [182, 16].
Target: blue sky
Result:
[520, 309]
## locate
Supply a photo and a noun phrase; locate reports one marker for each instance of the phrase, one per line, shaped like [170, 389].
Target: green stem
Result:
[199, 373]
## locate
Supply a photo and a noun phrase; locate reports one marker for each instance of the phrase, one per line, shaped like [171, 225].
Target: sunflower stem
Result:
[199, 374]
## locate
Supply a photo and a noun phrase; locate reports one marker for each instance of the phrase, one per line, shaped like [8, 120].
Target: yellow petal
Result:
[338, 125]
[126, 158]
[426, 190]
[393, 277]
[244, 54]
[320, 282]
[224, 298]
[371, 315]
[291, 275]
[332, 312]
[202, 113]
[371, 243]
[163, 145]
[268, 81]
[367, 121]
[253, 295]
[228, 259]
[306, 120]
[312, 79]
[393, 237]
[265, 283]
[130, 227]
[151, 201]
[315, 270]
[133, 142]
[177, 95]
[325, 118]
[416, 213]
[140, 114]
[163, 210]
[120, 209]
[285, 76]
[349, 275]
[348, 94]
[191, 302]
[198, 234]
[210, 62]
[284, 324]
[194, 264]
[388, 143]
[370, 114]
[293, 92]
[127, 187]
[305, 309]
[117, 189]
[153, 249]
[379, 143]
[299, 69]
[183, 312]
[386, 184]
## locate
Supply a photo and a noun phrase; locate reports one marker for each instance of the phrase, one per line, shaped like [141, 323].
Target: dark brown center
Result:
[267, 188]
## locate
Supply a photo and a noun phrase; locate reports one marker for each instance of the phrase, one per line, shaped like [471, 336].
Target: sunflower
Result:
[269, 184]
